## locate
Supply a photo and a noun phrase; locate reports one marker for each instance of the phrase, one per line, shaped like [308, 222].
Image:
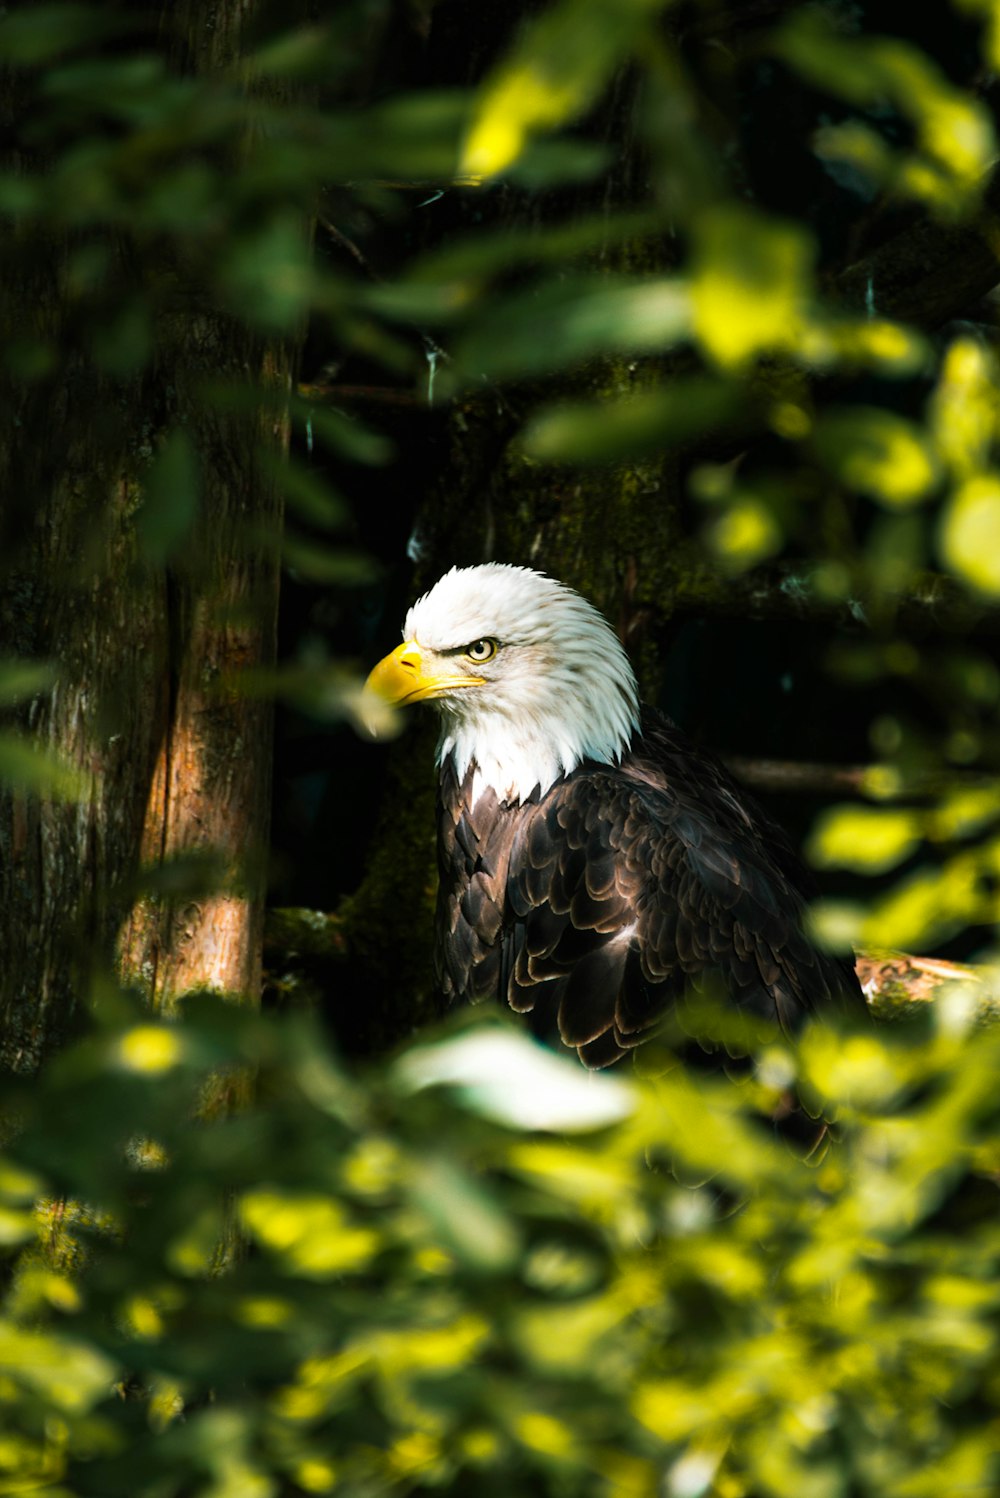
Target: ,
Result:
[595, 866]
